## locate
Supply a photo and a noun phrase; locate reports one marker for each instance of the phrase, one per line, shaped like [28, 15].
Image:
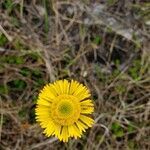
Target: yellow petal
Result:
[50, 128]
[59, 85]
[87, 103]
[42, 111]
[58, 131]
[74, 131]
[64, 134]
[77, 132]
[88, 121]
[82, 92]
[66, 87]
[87, 110]
[81, 126]
[43, 102]
[70, 130]
[73, 86]
[48, 92]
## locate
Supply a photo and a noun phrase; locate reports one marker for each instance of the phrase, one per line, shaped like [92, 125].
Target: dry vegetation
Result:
[101, 44]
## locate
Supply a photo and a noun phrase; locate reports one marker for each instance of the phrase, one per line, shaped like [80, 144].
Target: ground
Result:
[102, 44]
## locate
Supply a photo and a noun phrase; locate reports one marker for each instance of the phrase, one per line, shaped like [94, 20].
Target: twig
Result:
[1, 121]
[49, 141]
[5, 33]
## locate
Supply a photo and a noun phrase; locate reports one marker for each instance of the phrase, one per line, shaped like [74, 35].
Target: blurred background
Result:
[103, 44]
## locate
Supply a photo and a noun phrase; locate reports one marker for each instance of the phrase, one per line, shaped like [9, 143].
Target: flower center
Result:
[65, 110]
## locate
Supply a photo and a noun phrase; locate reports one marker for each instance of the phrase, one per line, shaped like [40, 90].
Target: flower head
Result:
[63, 109]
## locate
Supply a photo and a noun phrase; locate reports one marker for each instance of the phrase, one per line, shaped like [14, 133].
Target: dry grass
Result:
[104, 45]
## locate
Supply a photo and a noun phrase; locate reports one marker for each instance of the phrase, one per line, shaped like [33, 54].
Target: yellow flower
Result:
[63, 109]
